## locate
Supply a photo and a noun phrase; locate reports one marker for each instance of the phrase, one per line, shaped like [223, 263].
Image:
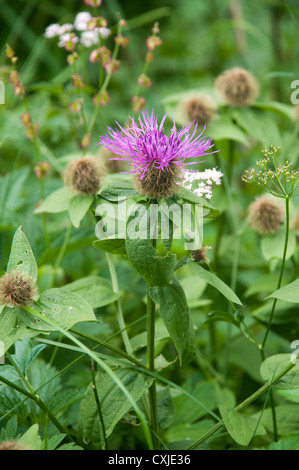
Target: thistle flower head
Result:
[17, 289]
[237, 87]
[83, 175]
[157, 160]
[266, 215]
[197, 107]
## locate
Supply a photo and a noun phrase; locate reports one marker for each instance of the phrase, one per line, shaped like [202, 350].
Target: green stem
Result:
[281, 271]
[99, 408]
[120, 317]
[103, 365]
[242, 406]
[64, 246]
[35, 397]
[151, 366]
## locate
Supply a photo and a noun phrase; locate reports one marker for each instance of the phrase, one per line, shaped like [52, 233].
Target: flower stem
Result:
[120, 317]
[242, 406]
[151, 366]
[281, 272]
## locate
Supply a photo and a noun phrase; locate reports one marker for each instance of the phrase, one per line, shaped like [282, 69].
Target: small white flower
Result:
[81, 20]
[202, 182]
[104, 32]
[53, 30]
[89, 38]
[66, 28]
[67, 37]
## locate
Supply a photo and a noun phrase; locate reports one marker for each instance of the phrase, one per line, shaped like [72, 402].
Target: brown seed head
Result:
[83, 175]
[199, 107]
[237, 87]
[266, 215]
[158, 183]
[200, 255]
[17, 289]
[12, 445]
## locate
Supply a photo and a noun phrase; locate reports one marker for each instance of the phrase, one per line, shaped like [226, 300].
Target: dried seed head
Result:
[200, 255]
[199, 107]
[84, 175]
[157, 183]
[17, 289]
[112, 166]
[237, 87]
[266, 215]
[12, 445]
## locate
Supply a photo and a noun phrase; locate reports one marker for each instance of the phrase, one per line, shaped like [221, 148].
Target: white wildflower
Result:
[82, 20]
[201, 183]
[64, 38]
[53, 30]
[89, 38]
[104, 32]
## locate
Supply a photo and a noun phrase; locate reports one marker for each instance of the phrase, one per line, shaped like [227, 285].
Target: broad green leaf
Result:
[21, 255]
[274, 365]
[11, 328]
[272, 246]
[64, 307]
[78, 207]
[156, 270]
[190, 197]
[58, 201]
[242, 428]
[116, 246]
[114, 404]
[119, 188]
[214, 281]
[96, 290]
[166, 413]
[31, 439]
[189, 431]
[286, 443]
[25, 353]
[174, 310]
[186, 411]
[224, 129]
[287, 417]
[289, 293]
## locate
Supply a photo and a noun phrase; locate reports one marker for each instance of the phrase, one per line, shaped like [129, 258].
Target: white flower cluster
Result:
[88, 37]
[201, 182]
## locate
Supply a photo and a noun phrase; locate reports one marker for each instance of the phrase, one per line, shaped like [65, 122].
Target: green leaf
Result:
[224, 129]
[11, 329]
[166, 413]
[174, 310]
[116, 246]
[78, 207]
[272, 246]
[21, 255]
[286, 443]
[119, 188]
[274, 365]
[26, 353]
[241, 428]
[186, 411]
[96, 290]
[189, 196]
[214, 281]
[114, 404]
[189, 431]
[287, 417]
[64, 307]
[288, 293]
[56, 202]
[156, 270]
[31, 438]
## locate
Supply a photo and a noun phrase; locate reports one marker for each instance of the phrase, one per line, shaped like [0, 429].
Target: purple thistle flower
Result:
[157, 158]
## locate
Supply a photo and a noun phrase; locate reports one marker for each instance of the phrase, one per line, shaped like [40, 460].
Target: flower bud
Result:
[144, 81]
[138, 103]
[266, 215]
[101, 99]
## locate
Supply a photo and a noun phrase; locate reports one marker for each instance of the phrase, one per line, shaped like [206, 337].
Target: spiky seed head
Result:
[197, 107]
[266, 215]
[17, 289]
[158, 183]
[200, 255]
[237, 87]
[84, 175]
